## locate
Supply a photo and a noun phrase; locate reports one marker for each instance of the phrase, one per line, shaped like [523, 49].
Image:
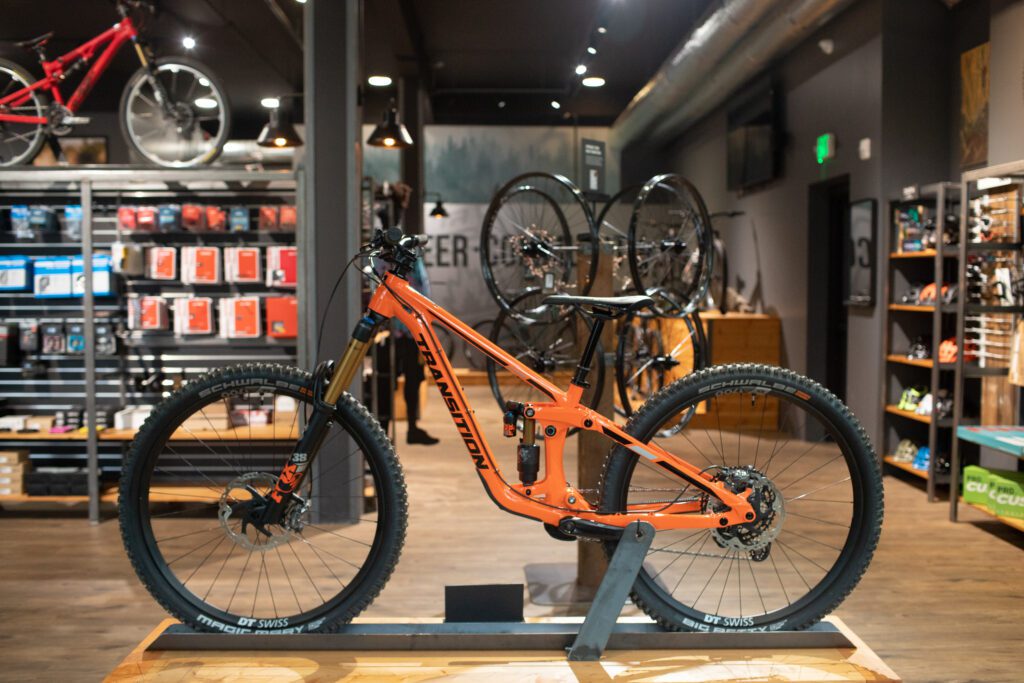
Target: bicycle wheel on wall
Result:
[546, 339]
[531, 238]
[613, 228]
[670, 253]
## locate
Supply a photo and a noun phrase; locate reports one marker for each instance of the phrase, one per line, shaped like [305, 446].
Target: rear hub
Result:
[754, 537]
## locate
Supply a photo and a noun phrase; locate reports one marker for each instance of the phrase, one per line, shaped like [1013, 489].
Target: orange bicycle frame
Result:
[548, 499]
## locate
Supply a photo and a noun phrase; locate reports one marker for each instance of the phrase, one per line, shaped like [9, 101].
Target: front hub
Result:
[242, 513]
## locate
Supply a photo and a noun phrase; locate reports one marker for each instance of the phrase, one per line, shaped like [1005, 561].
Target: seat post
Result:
[583, 368]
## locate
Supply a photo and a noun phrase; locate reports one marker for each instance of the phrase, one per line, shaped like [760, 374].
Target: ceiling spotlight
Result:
[593, 81]
[301, 2]
[205, 82]
[592, 50]
[379, 81]
[555, 104]
[205, 103]
[270, 102]
[390, 132]
[581, 69]
[501, 104]
[188, 42]
[602, 30]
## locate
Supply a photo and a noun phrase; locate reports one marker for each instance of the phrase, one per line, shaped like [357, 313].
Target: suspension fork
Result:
[341, 375]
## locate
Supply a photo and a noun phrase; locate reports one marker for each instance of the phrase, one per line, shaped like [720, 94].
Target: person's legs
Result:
[408, 360]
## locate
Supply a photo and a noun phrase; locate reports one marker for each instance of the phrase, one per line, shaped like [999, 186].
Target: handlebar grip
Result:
[421, 240]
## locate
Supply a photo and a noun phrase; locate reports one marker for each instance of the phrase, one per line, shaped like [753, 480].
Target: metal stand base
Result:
[598, 632]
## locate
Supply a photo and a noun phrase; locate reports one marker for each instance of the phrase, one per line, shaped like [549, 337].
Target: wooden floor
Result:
[940, 602]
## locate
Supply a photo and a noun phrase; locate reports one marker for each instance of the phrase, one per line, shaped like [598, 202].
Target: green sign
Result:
[825, 147]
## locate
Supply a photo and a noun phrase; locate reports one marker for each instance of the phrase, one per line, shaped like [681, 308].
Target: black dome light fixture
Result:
[279, 131]
[390, 133]
[438, 211]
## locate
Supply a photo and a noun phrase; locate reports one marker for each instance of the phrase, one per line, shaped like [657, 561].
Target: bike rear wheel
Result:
[20, 142]
[191, 129]
[191, 479]
[816, 490]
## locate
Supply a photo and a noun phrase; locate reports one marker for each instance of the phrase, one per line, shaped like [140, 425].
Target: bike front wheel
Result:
[178, 117]
[198, 471]
[815, 486]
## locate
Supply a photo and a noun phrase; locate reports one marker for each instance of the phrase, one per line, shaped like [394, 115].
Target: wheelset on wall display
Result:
[532, 233]
[613, 229]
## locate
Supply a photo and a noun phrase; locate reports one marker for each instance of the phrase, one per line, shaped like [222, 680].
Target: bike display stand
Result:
[601, 630]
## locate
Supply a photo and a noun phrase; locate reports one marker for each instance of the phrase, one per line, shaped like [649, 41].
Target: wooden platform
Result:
[858, 664]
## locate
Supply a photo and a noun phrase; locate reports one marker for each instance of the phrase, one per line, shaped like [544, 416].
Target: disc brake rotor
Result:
[754, 537]
[237, 501]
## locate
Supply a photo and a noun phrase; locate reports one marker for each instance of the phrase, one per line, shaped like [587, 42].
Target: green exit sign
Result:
[825, 147]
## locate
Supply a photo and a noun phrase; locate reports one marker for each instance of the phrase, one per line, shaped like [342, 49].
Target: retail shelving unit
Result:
[92, 381]
[907, 321]
[1012, 192]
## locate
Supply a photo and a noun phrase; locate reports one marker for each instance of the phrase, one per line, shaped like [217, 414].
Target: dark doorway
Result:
[829, 226]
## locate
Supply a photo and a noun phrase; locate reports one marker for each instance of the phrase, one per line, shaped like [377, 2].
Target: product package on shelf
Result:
[200, 265]
[126, 218]
[169, 217]
[101, 278]
[240, 317]
[10, 348]
[28, 337]
[52, 335]
[146, 218]
[193, 315]
[52, 276]
[242, 264]
[128, 259]
[73, 221]
[106, 339]
[12, 476]
[162, 263]
[282, 267]
[282, 317]
[19, 222]
[216, 219]
[132, 417]
[15, 273]
[75, 337]
[193, 217]
[288, 218]
[268, 221]
[148, 313]
[43, 219]
[13, 457]
[238, 219]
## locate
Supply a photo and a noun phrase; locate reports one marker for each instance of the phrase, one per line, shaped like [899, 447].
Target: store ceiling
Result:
[473, 54]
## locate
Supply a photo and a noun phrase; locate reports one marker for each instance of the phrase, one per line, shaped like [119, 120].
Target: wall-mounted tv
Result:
[754, 140]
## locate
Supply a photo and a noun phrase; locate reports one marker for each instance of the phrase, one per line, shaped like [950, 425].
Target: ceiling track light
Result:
[379, 81]
[591, 50]
[593, 82]
[270, 102]
[555, 104]
[581, 69]
[188, 42]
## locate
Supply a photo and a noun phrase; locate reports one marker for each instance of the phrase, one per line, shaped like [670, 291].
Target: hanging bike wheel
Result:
[613, 228]
[647, 360]
[195, 482]
[810, 473]
[531, 238]
[19, 142]
[670, 251]
[546, 339]
[182, 120]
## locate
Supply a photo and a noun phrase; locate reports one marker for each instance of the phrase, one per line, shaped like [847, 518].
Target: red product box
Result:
[242, 264]
[193, 217]
[282, 317]
[282, 267]
[268, 217]
[200, 265]
[289, 218]
[216, 219]
[162, 263]
[193, 315]
[240, 317]
[146, 219]
[148, 313]
[126, 218]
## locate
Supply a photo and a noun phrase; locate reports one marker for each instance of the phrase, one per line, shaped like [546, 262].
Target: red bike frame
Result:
[56, 71]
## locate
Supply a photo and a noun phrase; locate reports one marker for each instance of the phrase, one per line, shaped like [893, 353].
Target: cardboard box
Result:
[282, 267]
[238, 219]
[148, 313]
[126, 218]
[13, 457]
[1006, 493]
[216, 219]
[15, 273]
[975, 485]
[288, 218]
[169, 217]
[200, 265]
[162, 263]
[10, 474]
[52, 277]
[268, 218]
[282, 317]
[243, 264]
[240, 318]
[193, 217]
[39, 423]
[146, 219]
[193, 315]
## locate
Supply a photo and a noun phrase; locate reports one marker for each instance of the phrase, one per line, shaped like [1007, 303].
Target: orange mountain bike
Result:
[264, 498]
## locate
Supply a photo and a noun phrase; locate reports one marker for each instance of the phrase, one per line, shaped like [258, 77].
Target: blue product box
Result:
[102, 266]
[169, 217]
[239, 219]
[19, 222]
[52, 277]
[15, 273]
[73, 221]
[43, 218]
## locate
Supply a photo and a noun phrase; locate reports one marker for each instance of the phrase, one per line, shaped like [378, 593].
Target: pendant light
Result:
[390, 132]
